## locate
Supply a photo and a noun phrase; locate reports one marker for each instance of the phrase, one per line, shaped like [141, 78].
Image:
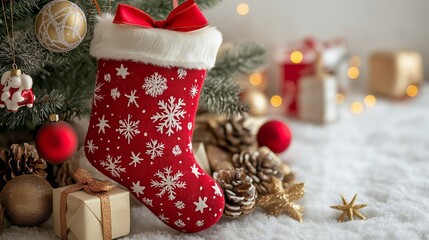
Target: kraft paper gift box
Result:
[317, 100]
[83, 214]
[392, 72]
[317, 96]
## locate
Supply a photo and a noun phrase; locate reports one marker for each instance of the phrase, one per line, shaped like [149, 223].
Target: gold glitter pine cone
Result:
[19, 161]
[227, 134]
[240, 193]
[261, 165]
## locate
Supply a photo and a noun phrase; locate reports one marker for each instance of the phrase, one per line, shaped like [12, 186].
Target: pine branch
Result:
[76, 84]
[221, 95]
[43, 106]
[21, 8]
[239, 58]
[159, 9]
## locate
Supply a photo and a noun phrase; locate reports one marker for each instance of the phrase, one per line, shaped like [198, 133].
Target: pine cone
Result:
[20, 161]
[289, 176]
[65, 175]
[227, 134]
[240, 193]
[261, 165]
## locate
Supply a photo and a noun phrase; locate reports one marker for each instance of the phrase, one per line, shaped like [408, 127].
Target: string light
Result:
[276, 101]
[340, 98]
[355, 61]
[370, 101]
[242, 9]
[255, 79]
[412, 91]
[353, 72]
[296, 57]
[356, 107]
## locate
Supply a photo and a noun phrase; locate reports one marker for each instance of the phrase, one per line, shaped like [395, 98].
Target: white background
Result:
[367, 24]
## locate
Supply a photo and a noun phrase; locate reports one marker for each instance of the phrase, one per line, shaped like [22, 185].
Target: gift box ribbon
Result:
[94, 187]
[185, 18]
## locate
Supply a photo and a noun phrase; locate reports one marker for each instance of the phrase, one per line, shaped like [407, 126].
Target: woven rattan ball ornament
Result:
[60, 26]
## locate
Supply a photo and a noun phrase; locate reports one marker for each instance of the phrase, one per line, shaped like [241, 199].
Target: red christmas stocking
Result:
[149, 78]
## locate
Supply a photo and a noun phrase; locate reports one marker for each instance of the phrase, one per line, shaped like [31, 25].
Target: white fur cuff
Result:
[193, 50]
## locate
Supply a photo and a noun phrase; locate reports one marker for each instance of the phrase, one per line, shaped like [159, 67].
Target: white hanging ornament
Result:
[16, 90]
[61, 26]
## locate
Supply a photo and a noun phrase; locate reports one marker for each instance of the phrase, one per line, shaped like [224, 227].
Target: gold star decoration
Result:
[281, 200]
[349, 209]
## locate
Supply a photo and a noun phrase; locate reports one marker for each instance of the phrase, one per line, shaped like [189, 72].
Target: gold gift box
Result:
[392, 72]
[83, 214]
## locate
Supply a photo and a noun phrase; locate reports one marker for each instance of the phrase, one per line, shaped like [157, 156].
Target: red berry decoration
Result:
[276, 135]
[56, 141]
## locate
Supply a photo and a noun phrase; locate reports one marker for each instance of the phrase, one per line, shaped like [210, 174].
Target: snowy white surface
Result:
[381, 154]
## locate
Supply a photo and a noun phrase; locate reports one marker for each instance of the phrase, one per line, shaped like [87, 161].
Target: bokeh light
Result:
[355, 61]
[276, 101]
[412, 91]
[370, 101]
[242, 9]
[255, 79]
[356, 107]
[296, 57]
[353, 72]
[340, 98]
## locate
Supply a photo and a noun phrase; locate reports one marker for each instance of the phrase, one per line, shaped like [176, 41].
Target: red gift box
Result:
[303, 53]
[295, 70]
[291, 74]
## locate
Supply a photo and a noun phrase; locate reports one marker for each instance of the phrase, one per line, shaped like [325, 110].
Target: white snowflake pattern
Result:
[107, 77]
[137, 188]
[176, 150]
[179, 205]
[113, 165]
[199, 223]
[122, 71]
[115, 93]
[91, 146]
[194, 170]
[190, 146]
[168, 183]
[97, 93]
[163, 218]
[181, 73]
[169, 117]
[217, 190]
[155, 85]
[180, 223]
[201, 204]
[132, 98]
[102, 124]
[154, 149]
[194, 91]
[135, 159]
[148, 201]
[128, 128]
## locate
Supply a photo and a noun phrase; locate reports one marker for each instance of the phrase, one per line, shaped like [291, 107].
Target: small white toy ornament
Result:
[16, 90]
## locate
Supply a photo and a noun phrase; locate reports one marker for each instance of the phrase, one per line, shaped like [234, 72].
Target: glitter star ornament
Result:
[349, 209]
[281, 200]
[60, 26]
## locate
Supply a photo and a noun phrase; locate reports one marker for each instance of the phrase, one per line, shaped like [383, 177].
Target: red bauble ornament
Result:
[56, 141]
[276, 135]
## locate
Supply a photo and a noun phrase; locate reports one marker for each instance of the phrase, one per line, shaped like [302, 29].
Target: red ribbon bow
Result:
[185, 18]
